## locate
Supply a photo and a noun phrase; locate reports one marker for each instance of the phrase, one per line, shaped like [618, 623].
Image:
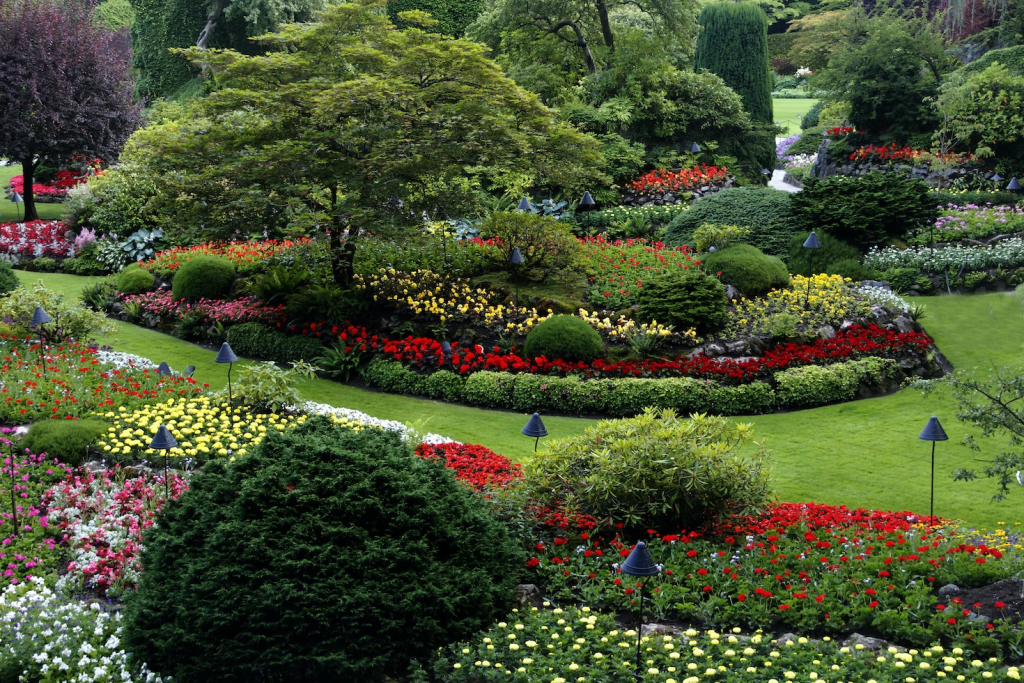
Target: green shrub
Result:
[277, 284]
[134, 280]
[629, 396]
[203, 277]
[8, 278]
[564, 337]
[744, 399]
[490, 389]
[273, 567]
[684, 299]
[44, 265]
[809, 142]
[392, 377]
[901, 279]
[445, 385]
[258, 341]
[807, 262]
[764, 210]
[851, 268]
[85, 263]
[65, 440]
[655, 470]
[810, 119]
[747, 269]
[1010, 57]
[75, 320]
[545, 243]
[864, 211]
[816, 385]
[719, 236]
[114, 14]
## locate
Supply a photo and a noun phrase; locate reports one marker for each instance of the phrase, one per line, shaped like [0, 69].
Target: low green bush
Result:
[258, 341]
[835, 257]
[275, 566]
[902, 279]
[134, 280]
[656, 469]
[684, 299]
[764, 210]
[719, 236]
[809, 141]
[564, 337]
[66, 440]
[490, 389]
[76, 320]
[393, 377]
[744, 399]
[810, 119]
[629, 396]
[44, 265]
[203, 277]
[8, 278]
[816, 385]
[851, 268]
[747, 269]
[445, 385]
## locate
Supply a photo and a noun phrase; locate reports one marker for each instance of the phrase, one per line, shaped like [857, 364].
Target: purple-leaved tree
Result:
[65, 88]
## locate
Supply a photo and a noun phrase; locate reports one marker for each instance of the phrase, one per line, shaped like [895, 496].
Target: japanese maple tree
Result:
[65, 88]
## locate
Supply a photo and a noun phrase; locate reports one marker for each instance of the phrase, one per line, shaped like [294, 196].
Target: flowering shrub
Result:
[424, 292]
[50, 638]
[815, 301]
[894, 152]
[245, 255]
[477, 466]
[622, 329]
[29, 552]
[971, 221]
[783, 145]
[674, 181]
[623, 265]
[101, 518]
[799, 165]
[161, 303]
[1007, 253]
[839, 130]
[62, 182]
[35, 239]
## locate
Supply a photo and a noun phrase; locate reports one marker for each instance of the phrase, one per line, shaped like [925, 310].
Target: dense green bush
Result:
[816, 385]
[809, 141]
[275, 567]
[258, 341]
[1010, 57]
[445, 385]
[134, 280]
[655, 470]
[629, 396]
[866, 210]
[65, 440]
[71, 318]
[43, 265]
[743, 399]
[545, 243]
[8, 278]
[835, 257]
[393, 377]
[1000, 198]
[453, 16]
[765, 211]
[490, 389]
[85, 263]
[747, 269]
[115, 14]
[203, 277]
[684, 299]
[564, 337]
[902, 279]
[733, 44]
[810, 119]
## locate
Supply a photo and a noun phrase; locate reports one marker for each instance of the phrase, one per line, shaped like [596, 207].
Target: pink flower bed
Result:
[248, 309]
[64, 181]
[35, 239]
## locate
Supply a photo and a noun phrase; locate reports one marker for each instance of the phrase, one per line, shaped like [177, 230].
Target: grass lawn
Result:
[9, 211]
[861, 454]
[787, 111]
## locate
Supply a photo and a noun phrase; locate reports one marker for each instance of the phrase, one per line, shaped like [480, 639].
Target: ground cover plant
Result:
[622, 266]
[956, 223]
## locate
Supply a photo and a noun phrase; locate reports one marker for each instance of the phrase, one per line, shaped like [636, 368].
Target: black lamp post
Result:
[811, 243]
[14, 500]
[40, 318]
[933, 432]
[189, 369]
[996, 178]
[535, 428]
[164, 370]
[1014, 186]
[694, 148]
[516, 259]
[640, 564]
[18, 201]
[524, 204]
[164, 441]
[226, 355]
[587, 203]
[446, 349]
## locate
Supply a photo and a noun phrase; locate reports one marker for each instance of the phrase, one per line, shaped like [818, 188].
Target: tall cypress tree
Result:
[733, 44]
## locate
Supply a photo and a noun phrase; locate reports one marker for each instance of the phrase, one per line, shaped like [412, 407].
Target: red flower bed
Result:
[35, 239]
[477, 466]
[893, 152]
[839, 130]
[685, 179]
[814, 516]
[244, 255]
[64, 181]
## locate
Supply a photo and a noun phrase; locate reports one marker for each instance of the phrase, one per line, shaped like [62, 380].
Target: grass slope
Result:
[9, 211]
[861, 454]
[787, 113]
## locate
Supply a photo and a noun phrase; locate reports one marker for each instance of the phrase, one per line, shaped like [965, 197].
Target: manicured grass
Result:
[787, 113]
[861, 454]
[9, 211]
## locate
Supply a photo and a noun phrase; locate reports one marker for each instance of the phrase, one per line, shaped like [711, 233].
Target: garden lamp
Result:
[1014, 186]
[535, 428]
[226, 355]
[14, 500]
[694, 148]
[40, 318]
[189, 369]
[164, 441]
[812, 243]
[933, 432]
[587, 202]
[640, 564]
[164, 369]
[765, 171]
[18, 200]
[996, 178]
[516, 259]
[525, 205]
[446, 349]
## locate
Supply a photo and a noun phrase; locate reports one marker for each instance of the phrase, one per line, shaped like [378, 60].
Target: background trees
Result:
[64, 87]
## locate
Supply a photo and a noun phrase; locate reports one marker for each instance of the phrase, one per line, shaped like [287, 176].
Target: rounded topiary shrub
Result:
[203, 277]
[764, 210]
[65, 440]
[684, 299]
[564, 337]
[134, 280]
[747, 269]
[323, 555]
[8, 279]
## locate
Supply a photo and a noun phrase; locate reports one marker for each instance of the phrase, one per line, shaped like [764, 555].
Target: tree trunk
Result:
[343, 253]
[581, 42]
[606, 26]
[28, 173]
[211, 23]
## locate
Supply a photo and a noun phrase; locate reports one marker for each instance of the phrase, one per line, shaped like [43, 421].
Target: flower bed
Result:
[161, 303]
[29, 552]
[35, 239]
[971, 221]
[623, 265]
[894, 152]
[479, 467]
[1005, 254]
[684, 179]
[810, 303]
[62, 182]
[245, 255]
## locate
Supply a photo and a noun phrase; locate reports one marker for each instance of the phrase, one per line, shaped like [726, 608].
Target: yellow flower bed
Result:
[622, 328]
[203, 428]
[815, 301]
[424, 292]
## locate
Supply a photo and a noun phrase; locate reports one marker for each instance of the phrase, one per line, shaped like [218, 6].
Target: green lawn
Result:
[864, 453]
[9, 211]
[787, 113]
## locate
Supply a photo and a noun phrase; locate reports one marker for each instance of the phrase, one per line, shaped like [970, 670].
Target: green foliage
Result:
[203, 277]
[629, 396]
[733, 43]
[866, 210]
[340, 360]
[8, 279]
[545, 243]
[815, 385]
[747, 269]
[983, 110]
[744, 399]
[851, 268]
[564, 337]
[277, 284]
[42, 264]
[810, 119]
[807, 262]
[901, 279]
[98, 296]
[684, 299]
[596, 221]
[392, 377]
[325, 303]
[1010, 57]
[624, 160]
[70, 319]
[134, 280]
[490, 389]
[66, 440]
[655, 470]
[114, 14]
[114, 203]
[340, 529]
[266, 388]
[452, 16]
[808, 143]
[718, 236]
[258, 341]
[445, 385]
[764, 210]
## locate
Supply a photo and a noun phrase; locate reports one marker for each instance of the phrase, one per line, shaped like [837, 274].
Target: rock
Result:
[869, 644]
[847, 324]
[827, 332]
[732, 293]
[915, 287]
[94, 466]
[948, 589]
[755, 345]
[713, 350]
[528, 595]
[669, 198]
[736, 348]
[661, 630]
[881, 314]
[786, 637]
[904, 324]
[881, 284]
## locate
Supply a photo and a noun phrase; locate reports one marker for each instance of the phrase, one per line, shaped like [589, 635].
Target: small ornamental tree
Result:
[65, 88]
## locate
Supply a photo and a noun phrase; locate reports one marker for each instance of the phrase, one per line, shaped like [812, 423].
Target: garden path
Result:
[778, 181]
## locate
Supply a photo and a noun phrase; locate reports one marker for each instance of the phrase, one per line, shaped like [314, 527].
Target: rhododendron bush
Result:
[683, 180]
[35, 239]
